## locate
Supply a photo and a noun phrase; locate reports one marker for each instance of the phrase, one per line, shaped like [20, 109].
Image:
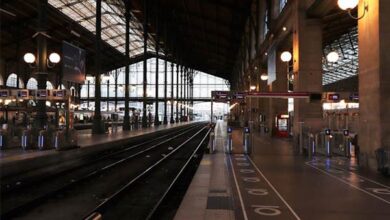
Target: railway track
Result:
[78, 189]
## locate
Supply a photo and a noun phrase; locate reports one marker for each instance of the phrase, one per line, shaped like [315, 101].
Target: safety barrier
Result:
[327, 143]
[3, 139]
[26, 139]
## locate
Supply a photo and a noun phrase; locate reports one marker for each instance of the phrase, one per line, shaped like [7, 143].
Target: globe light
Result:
[332, 57]
[264, 77]
[286, 56]
[29, 58]
[54, 58]
[253, 88]
[347, 4]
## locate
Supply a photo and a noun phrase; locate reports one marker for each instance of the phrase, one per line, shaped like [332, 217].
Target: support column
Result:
[145, 60]
[98, 126]
[165, 91]
[116, 90]
[185, 93]
[156, 119]
[41, 63]
[307, 67]
[264, 103]
[177, 92]
[126, 118]
[374, 78]
[181, 93]
[172, 97]
[278, 106]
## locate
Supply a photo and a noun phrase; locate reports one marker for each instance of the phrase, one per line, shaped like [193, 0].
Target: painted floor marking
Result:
[365, 178]
[238, 191]
[274, 189]
[351, 185]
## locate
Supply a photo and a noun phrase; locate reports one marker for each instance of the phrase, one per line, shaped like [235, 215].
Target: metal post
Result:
[185, 92]
[177, 92]
[172, 102]
[98, 127]
[116, 90]
[126, 118]
[88, 83]
[156, 119]
[211, 111]
[181, 93]
[108, 94]
[145, 80]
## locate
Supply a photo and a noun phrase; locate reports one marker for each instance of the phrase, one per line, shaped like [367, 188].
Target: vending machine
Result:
[282, 124]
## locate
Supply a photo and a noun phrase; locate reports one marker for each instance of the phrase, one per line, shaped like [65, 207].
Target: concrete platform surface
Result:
[11, 160]
[274, 183]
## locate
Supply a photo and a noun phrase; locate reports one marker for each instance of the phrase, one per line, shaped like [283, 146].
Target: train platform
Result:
[273, 182]
[13, 158]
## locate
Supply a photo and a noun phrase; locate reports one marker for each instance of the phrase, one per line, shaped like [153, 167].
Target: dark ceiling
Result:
[202, 34]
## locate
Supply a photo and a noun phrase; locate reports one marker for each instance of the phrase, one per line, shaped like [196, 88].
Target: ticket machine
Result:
[282, 123]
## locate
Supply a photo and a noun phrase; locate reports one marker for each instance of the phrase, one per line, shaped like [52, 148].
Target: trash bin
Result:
[382, 158]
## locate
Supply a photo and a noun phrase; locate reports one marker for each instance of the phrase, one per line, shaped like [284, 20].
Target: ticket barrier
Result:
[309, 144]
[26, 139]
[328, 145]
[212, 142]
[247, 141]
[336, 142]
[229, 141]
[3, 139]
[44, 141]
[65, 140]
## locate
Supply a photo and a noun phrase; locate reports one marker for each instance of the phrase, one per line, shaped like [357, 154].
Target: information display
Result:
[73, 64]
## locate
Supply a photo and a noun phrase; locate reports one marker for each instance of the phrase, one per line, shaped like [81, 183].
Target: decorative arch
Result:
[12, 81]
[49, 85]
[32, 83]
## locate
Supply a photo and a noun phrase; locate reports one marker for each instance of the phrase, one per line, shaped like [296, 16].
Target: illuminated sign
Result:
[346, 132]
[22, 94]
[327, 131]
[334, 97]
[246, 130]
[4, 93]
[42, 94]
[354, 97]
[59, 93]
[229, 130]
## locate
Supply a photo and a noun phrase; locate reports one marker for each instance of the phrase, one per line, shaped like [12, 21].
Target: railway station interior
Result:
[194, 109]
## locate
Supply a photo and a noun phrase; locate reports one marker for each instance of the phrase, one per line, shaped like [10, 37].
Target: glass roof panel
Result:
[347, 65]
[113, 22]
